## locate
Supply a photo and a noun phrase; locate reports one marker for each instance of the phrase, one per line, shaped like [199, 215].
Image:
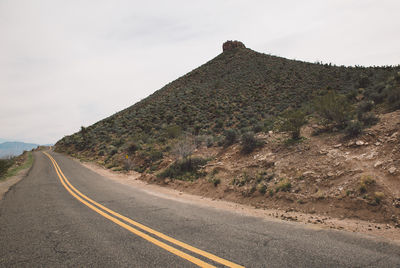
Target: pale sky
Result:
[67, 64]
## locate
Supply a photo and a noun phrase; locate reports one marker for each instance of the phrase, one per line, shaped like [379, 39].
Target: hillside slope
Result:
[218, 131]
[240, 89]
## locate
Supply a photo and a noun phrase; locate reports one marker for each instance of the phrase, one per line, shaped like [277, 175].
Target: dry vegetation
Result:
[264, 130]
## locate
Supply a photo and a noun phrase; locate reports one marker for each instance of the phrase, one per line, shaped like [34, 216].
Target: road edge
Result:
[8, 184]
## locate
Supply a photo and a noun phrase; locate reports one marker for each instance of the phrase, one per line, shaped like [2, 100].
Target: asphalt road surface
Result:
[63, 214]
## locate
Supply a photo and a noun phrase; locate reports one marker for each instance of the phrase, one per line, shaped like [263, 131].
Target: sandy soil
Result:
[314, 221]
[8, 183]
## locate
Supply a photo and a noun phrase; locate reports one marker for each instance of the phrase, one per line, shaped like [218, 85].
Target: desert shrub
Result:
[155, 155]
[132, 148]
[219, 124]
[5, 164]
[353, 128]
[393, 97]
[368, 119]
[199, 141]
[364, 106]
[378, 197]
[333, 108]
[352, 95]
[209, 141]
[262, 188]
[292, 121]
[364, 82]
[128, 164]
[112, 150]
[283, 186]
[230, 137]
[197, 129]
[364, 182]
[258, 128]
[184, 169]
[249, 143]
[241, 180]
[173, 131]
[215, 181]
[184, 147]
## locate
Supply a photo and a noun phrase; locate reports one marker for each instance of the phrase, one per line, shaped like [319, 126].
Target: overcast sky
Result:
[67, 64]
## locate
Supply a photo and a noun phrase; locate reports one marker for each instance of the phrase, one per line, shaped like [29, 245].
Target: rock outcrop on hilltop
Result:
[230, 45]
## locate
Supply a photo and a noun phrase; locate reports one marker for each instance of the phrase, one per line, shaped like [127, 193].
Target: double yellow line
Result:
[116, 218]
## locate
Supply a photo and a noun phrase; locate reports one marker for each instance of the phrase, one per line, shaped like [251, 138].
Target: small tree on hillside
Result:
[334, 108]
[249, 143]
[230, 137]
[184, 148]
[292, 121]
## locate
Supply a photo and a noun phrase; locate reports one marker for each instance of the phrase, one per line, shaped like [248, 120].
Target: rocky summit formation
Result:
[230, 45]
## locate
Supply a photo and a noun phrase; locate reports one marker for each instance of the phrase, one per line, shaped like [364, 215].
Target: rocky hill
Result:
[250, 126]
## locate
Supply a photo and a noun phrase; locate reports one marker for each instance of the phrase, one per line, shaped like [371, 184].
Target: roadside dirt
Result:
[8, 183]
[315, 220]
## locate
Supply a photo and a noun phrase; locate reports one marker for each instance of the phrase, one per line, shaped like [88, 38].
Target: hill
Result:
[8, 149]
[239, 89]
[266, 131]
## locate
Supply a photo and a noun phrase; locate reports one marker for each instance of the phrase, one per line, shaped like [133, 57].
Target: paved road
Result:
[42, 224]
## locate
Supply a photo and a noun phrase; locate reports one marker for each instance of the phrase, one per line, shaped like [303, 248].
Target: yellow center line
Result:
[91, 204]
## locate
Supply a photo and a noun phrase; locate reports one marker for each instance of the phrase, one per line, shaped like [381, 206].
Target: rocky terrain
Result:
[327, 174]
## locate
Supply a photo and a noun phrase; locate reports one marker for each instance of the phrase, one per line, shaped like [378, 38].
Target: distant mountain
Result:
[2, 140]
[15, 148]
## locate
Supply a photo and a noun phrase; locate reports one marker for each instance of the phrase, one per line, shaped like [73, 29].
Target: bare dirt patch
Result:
[9, 182]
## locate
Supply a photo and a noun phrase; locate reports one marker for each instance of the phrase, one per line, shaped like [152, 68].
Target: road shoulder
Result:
[10, 182]
[313, 221]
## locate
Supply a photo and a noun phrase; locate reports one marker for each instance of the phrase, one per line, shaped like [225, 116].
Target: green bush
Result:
[393, 97]
[353, 128]
[258, 128]
[184, 169]
[284, 186]
[292, 121]
[230, 137]
[368, 119]
[132, 148]
[364, 106]
[5, 164]
[333, 108]
[174, 131]
[155, 155]
[215, 181]
[249, 143]
[262, 188]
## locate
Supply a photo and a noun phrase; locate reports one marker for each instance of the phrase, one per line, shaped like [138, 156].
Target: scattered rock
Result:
[337, 145]
[323, 152]
[350, 144]
[378, 163]
[396, 203]
[392, 170]
[360, 143]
